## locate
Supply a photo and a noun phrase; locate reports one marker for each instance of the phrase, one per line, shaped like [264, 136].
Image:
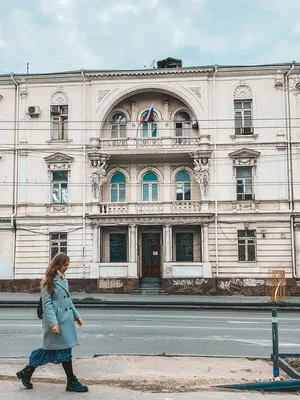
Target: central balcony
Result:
[173, 207]
[180, 142]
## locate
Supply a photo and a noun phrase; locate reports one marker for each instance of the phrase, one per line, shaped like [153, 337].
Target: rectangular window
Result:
[118, 131]
[247, 245]
[244, 183]
[184, 246]
[59, 187]
[183, 191]
[183, 128]
[150, 192]
[59, 122]
[58, 243]
[118, 192]
[118, 247]
[243, 117]
[149, 130]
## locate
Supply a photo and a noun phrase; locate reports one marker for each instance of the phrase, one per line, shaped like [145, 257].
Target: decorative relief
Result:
[98, 164]
[102, 94]
[242, 92]
[59, 97]
[201, 175]
[59, 161]
[244, 157]
[196, 91]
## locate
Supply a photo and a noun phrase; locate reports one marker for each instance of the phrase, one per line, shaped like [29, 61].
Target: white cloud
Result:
[74, 34]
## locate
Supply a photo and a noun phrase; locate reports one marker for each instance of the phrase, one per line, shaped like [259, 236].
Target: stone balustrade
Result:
[150, 142]
[155, 207]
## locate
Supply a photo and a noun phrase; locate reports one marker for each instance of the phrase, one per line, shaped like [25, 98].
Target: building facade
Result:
[187, 175]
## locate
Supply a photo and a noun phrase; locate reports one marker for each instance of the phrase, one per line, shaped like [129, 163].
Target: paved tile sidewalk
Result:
[7, 296]
[144, 378]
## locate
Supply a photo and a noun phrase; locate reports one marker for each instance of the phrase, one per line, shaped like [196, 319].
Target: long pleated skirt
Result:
[41, 357]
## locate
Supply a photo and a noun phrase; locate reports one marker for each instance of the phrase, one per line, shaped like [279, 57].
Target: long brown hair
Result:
[58, 261]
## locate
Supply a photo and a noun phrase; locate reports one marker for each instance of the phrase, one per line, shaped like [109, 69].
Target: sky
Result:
[65, 35]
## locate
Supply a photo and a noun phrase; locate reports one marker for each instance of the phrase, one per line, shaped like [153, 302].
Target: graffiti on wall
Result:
[110, 284]
[253, 282]
[229, 285]
[189, 282]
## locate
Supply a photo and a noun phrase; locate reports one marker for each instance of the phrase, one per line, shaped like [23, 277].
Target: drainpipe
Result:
[215, 169]
[288, 137]
[84, 177]
[15, 171]
[290, 167]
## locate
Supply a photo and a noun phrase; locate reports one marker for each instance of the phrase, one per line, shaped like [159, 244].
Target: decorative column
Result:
[167, 244]
[132, 243]
[171, 242]
[96, 243]
[205, 257]
[201, 173]
[98, 164]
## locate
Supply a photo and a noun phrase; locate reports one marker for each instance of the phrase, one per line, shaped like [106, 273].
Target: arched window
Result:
[118, 188]
[149, 129]
[59, 114]
[183, 186]
[150, 187]
[183, 124]
[118, 126]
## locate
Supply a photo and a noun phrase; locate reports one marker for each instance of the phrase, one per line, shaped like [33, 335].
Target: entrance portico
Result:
[171, 248]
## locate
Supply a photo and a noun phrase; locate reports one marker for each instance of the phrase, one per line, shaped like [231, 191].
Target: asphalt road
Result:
[189, 332]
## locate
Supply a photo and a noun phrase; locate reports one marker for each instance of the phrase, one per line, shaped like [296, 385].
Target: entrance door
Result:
[151, 255]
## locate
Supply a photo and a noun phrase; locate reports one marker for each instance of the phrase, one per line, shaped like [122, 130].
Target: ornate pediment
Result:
[244, 153]
[58, 161]
[244, 158]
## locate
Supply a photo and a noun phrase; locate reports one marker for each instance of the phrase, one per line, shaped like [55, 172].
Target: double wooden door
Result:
[151, 255]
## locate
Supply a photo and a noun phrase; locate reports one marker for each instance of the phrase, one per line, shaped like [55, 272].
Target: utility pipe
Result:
[288, 136]
[15, 171]
[290, 167]
[84, 177]
[215, 170]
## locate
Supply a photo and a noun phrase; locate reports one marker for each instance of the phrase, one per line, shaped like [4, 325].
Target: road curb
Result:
[165, 305]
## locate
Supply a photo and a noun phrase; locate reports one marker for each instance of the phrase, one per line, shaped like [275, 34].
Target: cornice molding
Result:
[149, 73]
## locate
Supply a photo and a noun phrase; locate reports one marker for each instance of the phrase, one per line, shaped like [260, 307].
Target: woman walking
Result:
[59, 333]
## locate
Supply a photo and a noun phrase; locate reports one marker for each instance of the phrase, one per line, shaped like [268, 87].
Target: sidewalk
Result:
[8, 296]
[145, 378]
[107, 300]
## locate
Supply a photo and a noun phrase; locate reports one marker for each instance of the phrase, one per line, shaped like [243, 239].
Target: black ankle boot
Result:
[74, 385]
[25, 376]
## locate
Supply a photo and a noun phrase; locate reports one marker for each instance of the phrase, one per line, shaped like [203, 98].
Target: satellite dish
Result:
[152, 65]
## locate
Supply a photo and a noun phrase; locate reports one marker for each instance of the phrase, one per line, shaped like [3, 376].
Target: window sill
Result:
[247, 262]
[58, 207]
[54, 141]
[244, 138]
[244, 205]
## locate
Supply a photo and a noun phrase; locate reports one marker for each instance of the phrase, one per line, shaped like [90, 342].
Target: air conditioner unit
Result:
[34, 111]
[55, 110]
[249, 196]
[246, 130]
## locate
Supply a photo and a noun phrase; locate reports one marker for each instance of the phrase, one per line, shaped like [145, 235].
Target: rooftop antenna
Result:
[27, 68]
[152, 65]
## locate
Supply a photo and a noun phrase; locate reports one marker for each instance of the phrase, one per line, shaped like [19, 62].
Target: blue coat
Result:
[59, 310]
